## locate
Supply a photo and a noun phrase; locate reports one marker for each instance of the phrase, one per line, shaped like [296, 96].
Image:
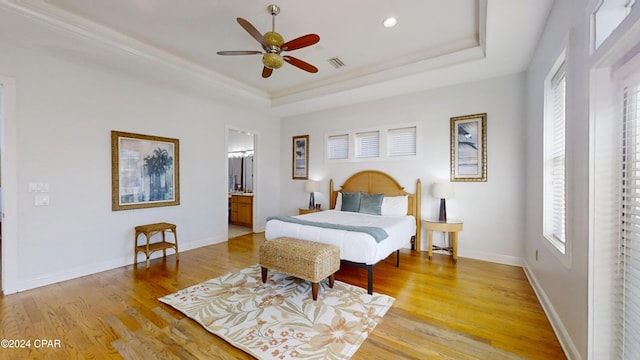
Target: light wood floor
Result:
[472, 310]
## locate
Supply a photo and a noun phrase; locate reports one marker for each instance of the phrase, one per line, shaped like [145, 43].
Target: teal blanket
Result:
[377, 233]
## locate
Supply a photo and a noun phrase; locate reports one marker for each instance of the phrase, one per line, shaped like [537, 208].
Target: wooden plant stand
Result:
[149, 230]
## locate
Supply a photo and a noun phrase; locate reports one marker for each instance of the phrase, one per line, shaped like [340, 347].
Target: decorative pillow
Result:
[338, 202]
[350, 201]
[371, 203]
[395, 205]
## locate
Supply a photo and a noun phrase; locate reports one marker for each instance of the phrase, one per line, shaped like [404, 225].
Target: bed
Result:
[401, 226]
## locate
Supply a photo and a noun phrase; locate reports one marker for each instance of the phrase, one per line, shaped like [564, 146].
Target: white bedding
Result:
[354, 246]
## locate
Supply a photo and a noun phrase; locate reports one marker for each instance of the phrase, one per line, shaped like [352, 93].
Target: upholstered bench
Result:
[307, 260]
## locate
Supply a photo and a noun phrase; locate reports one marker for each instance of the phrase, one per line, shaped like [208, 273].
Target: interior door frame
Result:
[256, 184]
[8, 178]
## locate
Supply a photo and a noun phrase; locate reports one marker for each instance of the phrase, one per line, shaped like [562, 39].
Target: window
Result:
[402, 142]
[338, 147]
[614, 246]
[554, 221]
[397, 141]
[628, 319]
[368, 144]
[608, 15]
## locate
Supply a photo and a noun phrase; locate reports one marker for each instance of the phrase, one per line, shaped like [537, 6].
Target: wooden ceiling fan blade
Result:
[266, 72]
[253, 31]
[239, 52]
[300, 64]
[302, 41]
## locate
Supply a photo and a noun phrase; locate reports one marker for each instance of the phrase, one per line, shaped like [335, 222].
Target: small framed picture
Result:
[469, 148]
[144, 171]
[300, 164]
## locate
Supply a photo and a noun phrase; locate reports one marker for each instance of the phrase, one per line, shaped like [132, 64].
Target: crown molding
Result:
[40, 10]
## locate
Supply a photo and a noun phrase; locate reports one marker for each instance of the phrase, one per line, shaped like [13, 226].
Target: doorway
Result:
[240, 181]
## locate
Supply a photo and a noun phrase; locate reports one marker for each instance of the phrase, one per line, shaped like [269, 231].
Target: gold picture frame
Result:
[469, 148]
[145, 171]
[300, 158]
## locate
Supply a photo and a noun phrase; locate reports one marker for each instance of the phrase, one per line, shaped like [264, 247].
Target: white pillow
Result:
[394, 205]
[338, 202]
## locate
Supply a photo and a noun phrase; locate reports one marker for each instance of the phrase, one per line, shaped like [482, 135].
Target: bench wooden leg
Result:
[314, 291]
[264, 274]
[332, 277]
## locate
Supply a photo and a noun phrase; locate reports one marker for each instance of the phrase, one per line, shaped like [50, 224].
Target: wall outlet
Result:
[41, 200]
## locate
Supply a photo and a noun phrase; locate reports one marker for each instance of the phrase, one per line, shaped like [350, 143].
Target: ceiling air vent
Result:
[336, 62]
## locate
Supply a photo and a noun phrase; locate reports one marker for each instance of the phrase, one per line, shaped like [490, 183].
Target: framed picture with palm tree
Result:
[469, 148]
[144, 171]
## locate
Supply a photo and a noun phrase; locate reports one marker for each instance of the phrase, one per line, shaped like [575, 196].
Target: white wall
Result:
[492, 211]
[562, 289]
[66, 108]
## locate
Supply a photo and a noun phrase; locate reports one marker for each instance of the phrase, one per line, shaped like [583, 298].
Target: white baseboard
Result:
[567, 344]
[89, 269]
[202, 242]
[68, 274]
[495, 258]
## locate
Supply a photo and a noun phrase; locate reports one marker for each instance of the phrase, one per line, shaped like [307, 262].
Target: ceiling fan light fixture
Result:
[274, 39]
[272, 60]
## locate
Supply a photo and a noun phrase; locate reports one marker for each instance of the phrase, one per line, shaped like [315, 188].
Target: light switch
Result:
[33, 187]
[41, 187]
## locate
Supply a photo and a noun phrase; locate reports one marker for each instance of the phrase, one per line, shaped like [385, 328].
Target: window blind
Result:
[558, 227]
[555, 194]
[338, 147]
[402, 141]
[368, 144]
[629, 247]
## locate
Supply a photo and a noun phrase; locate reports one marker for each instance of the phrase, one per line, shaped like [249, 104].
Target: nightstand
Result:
[448, 226]
[303, 211]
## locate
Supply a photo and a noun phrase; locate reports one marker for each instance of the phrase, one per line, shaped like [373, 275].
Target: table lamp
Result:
[443, 191]
[311, 186]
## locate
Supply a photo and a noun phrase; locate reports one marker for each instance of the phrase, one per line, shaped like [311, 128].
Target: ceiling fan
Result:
[273, 45]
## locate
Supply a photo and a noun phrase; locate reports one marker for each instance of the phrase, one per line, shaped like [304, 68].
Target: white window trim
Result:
[555, 246]
[395, 132]
[364, 152]
[327, 147]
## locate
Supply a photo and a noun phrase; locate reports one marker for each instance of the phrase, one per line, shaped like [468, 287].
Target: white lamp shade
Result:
[443, 190]
[312, 186]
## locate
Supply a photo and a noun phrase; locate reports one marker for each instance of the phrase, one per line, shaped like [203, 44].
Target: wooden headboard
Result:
[377, 182]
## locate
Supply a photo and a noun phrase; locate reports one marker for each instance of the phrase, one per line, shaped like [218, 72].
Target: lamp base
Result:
[443, 210]
[312, 202]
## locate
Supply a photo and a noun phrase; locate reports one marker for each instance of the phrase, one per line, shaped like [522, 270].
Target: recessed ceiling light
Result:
[390, 22]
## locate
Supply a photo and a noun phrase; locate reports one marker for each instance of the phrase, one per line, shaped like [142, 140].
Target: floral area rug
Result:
[279, 319]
